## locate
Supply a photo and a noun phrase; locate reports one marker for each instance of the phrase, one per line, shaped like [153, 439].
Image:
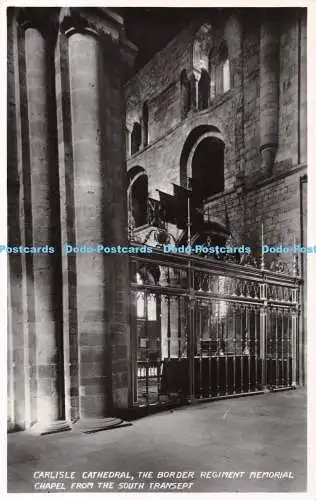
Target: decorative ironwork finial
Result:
[262, 253]
[295, 269]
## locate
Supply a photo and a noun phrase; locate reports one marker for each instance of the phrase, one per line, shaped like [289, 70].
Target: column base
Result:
[90, 425]
[42, 428]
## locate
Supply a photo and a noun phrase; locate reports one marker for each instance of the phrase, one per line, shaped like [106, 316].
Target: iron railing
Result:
[202, 328]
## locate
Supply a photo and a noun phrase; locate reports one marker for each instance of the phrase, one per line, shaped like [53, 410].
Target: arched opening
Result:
[212, 72]
[212, 81]
[226, 76]
[223, 74]
[185, 94]
[220, 71]
[189, 146]
[204, 90]
[202, 45]
[145, 123]
[201, 174]
[208, 166]
[136, 138]
[138, 196]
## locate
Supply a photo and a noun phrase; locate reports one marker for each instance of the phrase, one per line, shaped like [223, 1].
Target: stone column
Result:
[234, 38]
[33, 203]
[129, 128]
[85, 66]
[46, 324]
[67, 222]
[269, 90]
[194, 80]
[91, 124]
[18, 378]
[302, 97]
[117, 57]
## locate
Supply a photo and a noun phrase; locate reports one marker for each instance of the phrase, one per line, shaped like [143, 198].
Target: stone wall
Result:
[274, 203]
[267, 194]
[153, 81]
[262, 121]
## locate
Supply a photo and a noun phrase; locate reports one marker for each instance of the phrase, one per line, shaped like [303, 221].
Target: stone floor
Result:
[250, 434]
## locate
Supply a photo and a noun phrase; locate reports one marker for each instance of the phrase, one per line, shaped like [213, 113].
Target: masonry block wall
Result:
[262, 120]
[68, 315]
[158, 83]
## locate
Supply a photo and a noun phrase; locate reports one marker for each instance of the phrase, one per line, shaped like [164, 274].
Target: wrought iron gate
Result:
[206, 329]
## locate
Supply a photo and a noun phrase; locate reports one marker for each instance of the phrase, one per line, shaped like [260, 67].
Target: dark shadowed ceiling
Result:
[151, 28]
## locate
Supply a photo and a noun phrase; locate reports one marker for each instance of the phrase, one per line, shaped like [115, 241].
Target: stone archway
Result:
[202, 160]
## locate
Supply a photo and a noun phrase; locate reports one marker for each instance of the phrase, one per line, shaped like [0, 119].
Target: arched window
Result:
[138, 196]
[226, 76]
[185, 94]
[146, 306]
[140, 305]
[208, 167]
[212, 72]
[204, 90]
[223, 70]
[212, 81]
[151, 308]
[145, 123]
[136, 138]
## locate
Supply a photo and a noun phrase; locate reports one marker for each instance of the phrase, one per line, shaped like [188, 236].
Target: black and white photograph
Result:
[157, 249]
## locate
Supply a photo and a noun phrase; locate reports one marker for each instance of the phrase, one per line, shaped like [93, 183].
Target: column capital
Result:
[129, 126]
[194, 75]
[37, 18]
[95, 21]
[102, 23]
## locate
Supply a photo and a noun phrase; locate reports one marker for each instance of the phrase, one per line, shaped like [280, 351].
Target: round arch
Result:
[133, 174]
[137, 194]
[202, 141]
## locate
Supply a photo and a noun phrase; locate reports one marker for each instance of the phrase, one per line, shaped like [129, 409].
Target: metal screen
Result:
[206, 329]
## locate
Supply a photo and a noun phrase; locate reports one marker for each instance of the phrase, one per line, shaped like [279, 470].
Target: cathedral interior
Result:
[144, 128]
